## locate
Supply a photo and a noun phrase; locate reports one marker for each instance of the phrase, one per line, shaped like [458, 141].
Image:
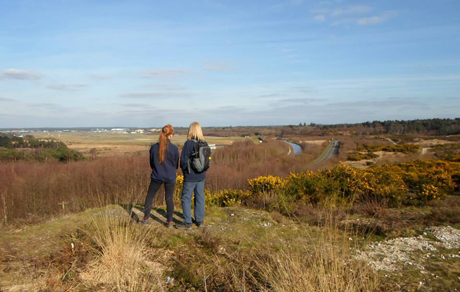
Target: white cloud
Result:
[67, 87]
[300, 100]
[20, 74]
[219, 66]
[391, 102]
[50, 107]
[271, 95]
[373, 20]
[355, 15]
[155, 94]
[287, 4]
[320, 17]
[101, 76]
[350, 10]
[135, 105]
[164, 86]
[160, 73]
[4, 99]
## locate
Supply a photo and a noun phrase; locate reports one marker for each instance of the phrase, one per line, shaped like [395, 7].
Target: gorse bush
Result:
[410, 183]
[366, 151]
[227, 198]
[357, 156]
[266, 184]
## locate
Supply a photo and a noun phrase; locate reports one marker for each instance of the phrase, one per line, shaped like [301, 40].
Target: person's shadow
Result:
[136, 211]
[163, 213]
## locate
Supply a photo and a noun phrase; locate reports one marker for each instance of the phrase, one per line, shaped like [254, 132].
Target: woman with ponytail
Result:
[164, 161]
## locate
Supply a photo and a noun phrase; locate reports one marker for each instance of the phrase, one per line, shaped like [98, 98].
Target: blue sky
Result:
[91, 63]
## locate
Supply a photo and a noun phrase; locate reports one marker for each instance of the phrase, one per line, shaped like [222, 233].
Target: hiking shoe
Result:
[200, 225]
[169, 224]
[144, 222]
[184, 226]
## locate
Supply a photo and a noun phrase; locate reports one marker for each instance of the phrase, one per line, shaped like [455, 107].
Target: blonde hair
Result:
[167, 131]
[195, 132]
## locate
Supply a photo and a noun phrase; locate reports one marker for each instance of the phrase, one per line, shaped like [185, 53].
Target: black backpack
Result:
[201, 156]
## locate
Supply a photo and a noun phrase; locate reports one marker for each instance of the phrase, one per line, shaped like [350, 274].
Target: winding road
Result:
[331, 150]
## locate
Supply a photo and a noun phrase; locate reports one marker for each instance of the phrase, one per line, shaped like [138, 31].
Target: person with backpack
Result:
[164, 161]
[194, 162]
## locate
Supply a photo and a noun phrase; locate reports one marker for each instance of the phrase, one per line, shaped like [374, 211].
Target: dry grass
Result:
[239, 254]
[326, 265]
[32, 192]
[321, 261]
[110, 144]
[123, 262]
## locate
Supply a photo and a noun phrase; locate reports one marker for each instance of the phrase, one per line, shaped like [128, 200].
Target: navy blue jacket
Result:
[165, 172]
[187, 151]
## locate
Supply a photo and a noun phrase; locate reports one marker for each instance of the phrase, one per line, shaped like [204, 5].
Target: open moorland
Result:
[352, 212]
[119, 144]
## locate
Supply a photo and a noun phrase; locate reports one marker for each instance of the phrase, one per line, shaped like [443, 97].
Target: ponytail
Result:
[165, 132]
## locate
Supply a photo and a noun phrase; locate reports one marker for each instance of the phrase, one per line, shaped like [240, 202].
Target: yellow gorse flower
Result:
[428, 180]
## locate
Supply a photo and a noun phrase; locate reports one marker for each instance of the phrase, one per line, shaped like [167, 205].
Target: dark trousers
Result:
[153, 190]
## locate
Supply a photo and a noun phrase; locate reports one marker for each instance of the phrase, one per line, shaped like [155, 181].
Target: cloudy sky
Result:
[91, 63]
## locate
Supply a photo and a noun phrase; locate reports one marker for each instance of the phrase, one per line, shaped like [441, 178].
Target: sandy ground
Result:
[388, 156]
[108, 149]
[426, 145]
[433, 142]
[316, 142]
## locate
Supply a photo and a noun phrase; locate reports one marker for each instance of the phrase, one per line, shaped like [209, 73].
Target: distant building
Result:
[155, 130]
[118, 130]
[139, 131]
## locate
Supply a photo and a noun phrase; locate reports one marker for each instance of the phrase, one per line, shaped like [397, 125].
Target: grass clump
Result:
[123, 261]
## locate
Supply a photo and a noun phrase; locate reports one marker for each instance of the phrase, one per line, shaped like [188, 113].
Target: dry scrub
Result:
[32, 191]
[123, 263]
[318, 260]
[327, 268]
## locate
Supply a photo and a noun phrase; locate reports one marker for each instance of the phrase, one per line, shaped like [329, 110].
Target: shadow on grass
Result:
[156, 214]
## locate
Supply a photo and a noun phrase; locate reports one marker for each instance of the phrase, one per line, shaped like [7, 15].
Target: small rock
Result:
[170, 282]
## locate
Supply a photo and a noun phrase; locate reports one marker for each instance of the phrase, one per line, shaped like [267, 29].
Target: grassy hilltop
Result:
[382, 214]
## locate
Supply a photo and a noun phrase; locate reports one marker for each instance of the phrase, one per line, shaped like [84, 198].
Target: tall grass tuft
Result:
[123, 262]
[324, 265]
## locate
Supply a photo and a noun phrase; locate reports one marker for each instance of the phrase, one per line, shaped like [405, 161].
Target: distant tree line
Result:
[428, 126]
[14, 148]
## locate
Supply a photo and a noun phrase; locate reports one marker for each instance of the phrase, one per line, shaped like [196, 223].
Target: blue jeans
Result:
[187, 193]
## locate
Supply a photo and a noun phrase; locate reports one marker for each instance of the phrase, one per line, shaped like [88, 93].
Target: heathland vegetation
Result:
[390, 127]
[28, 148]
[366, 151]
[418, 127]
[271, 215]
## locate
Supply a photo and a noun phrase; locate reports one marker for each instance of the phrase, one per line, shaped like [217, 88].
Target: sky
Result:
[136, 63]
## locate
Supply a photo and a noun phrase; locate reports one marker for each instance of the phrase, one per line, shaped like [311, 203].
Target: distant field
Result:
[108, 144]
